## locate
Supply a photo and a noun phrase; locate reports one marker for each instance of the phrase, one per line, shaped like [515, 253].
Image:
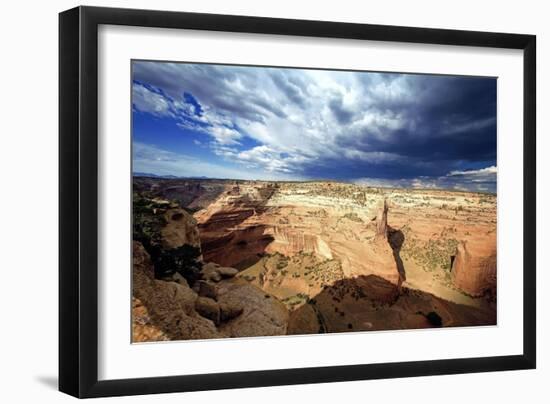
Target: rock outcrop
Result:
[339, 257]
[373, 257]
[214, 272]
[171, 310]
[293, 240]
[143, 328]
[474, 268]
[225, 237]
[207, 289]
[208, 308]
[382, 221]
[169, 305]
[262, 314]
[242, 226]
[181, 228]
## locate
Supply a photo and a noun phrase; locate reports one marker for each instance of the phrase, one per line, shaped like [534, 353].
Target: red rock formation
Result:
[382, 221]
[291, 240]
[474, 268]
[228, 231]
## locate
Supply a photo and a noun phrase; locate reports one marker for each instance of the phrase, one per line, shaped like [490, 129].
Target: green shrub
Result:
[148, 221]
[183, 260]
[282, 264]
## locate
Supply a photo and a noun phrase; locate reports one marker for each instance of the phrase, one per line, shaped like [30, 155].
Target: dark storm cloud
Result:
[344, 125]
[342, 114]
[446, 120]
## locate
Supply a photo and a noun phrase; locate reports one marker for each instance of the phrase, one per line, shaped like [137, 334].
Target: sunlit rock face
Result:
[474, 267]
[230, 231]
[180, 229]
[339, 257]
[216, 305]
[258, 219]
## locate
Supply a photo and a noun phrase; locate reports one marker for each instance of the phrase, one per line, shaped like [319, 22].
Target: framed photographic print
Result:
[250, 201]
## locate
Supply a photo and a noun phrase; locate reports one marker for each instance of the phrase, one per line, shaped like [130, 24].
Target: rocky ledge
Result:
[217, 306]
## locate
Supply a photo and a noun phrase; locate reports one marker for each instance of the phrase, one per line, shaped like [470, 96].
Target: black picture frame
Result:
[78, 201]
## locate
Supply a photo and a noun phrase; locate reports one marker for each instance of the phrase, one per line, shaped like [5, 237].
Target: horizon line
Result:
[351, 182]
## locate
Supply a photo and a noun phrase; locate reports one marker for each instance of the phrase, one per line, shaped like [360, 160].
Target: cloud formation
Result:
[327, 124]
[482, 180]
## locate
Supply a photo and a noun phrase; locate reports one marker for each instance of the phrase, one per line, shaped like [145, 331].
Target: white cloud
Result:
[307, 114]
[482, 172]
[482, 180]
[305, 118]
[146, 100]
[152, 159]
[468, 127]
[264, 156]
[224, 135]
[372, 157]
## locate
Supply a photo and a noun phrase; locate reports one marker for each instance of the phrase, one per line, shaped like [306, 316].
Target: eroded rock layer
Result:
[474, 267]
[321, 257]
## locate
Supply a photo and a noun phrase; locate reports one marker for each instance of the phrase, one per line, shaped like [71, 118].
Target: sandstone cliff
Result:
[218, 305]
[474, 267]
[337, 257]
[253, 220]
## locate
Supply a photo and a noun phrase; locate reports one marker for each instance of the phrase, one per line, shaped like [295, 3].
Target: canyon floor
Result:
[308, 257]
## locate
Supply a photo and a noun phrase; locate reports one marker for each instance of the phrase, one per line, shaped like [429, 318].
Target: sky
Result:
[377, 129]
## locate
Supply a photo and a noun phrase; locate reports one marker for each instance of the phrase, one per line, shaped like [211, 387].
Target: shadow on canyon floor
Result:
[370, 303]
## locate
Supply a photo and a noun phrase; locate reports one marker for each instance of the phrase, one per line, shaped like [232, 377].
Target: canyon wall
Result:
[474, 267]
[216, 305]
[331, 257]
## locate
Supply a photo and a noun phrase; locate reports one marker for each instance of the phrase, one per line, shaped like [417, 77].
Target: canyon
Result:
[313, 257]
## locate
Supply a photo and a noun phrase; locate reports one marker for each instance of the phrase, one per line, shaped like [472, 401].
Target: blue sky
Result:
[381, 129]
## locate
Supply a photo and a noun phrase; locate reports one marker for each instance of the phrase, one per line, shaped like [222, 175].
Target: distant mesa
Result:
[167, 176]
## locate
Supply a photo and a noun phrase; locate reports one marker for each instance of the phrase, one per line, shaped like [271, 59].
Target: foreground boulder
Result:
[208, 308]
[170, 306]
[171, 310]
[215, 273]
[181, 228]
[262, 314]
[207, 289]
[230, 310]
